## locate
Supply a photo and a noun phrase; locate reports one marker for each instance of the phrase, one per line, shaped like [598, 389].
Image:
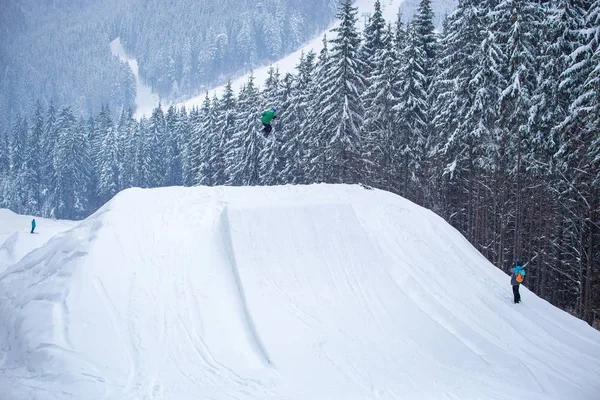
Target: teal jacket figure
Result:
[266, 118]
[32, 225]
[516, 279]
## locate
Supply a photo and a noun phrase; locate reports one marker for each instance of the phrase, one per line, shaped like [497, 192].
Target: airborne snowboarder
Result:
[266, 118]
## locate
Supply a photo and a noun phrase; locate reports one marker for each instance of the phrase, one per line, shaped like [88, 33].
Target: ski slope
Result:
[292, 292]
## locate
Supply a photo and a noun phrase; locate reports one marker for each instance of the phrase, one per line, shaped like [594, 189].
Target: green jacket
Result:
[267, 116]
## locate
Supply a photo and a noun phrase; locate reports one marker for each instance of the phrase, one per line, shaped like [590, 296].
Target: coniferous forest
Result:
[494, 124]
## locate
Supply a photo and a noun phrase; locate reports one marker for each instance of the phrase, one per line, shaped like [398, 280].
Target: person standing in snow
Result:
[32, 225]
[266, 118]
[516, 279]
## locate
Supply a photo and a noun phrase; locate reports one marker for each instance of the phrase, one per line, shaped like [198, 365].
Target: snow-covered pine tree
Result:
[184, 136]
[173, 172]
[426, 39]
[553, 97]
[518, 25]
[195, 145]
[226, 115]
[16, 195]
[32, 172]
[468, 85]
[373, 40]
[205, 142]
[243, 150]
[342, 107]
[294, 123]
[156, 163]
[270, 93]
[4, 168]
[314, 125]
[580, 162]
[109, 162]
[127, 134]
[72, 166]
[151, 150]
[412, 114]
[590, 99]
[379, 127]
[585, 72]
[48, 146]
[99, 128]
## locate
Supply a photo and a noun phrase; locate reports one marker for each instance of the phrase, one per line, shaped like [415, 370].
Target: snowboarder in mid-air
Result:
[266, 118]
[516, 279]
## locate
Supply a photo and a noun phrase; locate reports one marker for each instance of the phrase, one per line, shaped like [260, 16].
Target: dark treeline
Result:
[493, 124]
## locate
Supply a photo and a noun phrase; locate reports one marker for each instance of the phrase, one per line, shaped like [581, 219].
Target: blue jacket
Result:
[517, 270]
[33, 223]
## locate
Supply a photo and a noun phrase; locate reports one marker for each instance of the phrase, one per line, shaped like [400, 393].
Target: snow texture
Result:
[291, 292]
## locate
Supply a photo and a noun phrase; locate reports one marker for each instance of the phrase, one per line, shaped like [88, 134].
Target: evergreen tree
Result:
[342, 106]
[32, 171]
[184, 134]
[226, 115]
[426, 39]
[154, 154]
[412, 117]
[109, 161]
[270, 94]
[379, 126]
[173, 173]
[128, 141]
[72, 166]
[243, 152]
[4, 169]
[519, 28]
[317, 144]
[206, 140]
[48, 147]
[294, 122]
[374, 40]
[16, 195]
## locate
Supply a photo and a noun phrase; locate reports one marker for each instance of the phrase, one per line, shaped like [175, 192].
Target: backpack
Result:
[519, 278]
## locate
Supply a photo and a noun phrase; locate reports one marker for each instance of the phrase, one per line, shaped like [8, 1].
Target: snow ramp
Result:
[294, 292]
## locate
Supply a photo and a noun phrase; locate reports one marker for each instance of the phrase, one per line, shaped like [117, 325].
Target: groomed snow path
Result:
[294, 292]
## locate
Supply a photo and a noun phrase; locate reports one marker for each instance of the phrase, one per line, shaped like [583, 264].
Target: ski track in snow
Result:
[293, 292]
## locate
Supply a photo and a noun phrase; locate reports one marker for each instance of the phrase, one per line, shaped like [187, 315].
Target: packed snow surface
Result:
[292, 292]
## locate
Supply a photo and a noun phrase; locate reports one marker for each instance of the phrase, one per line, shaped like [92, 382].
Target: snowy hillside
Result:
[293, 292]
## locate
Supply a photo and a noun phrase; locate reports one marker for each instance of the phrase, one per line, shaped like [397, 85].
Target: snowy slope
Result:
[16, 241]
[293, 292]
